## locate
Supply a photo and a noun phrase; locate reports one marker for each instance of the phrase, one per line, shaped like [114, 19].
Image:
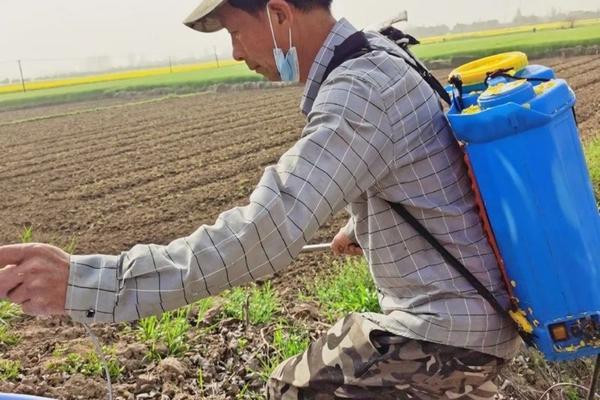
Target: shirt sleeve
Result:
[345, 148]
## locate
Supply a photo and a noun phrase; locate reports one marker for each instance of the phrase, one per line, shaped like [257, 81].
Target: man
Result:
[375, 133]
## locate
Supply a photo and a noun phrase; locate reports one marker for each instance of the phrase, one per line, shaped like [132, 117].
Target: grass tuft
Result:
[9, 370]
[8, 338]
[8, 311]
[288, 341]
[346, 287]
[201, 307]
[27, 235]
[69, 245]
[168, 331]
[88, 364]
[257, 304]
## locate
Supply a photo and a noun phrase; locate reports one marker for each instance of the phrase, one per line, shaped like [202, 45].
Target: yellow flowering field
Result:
[112, 76]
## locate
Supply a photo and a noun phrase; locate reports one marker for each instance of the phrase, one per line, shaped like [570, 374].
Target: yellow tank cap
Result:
[476, 71]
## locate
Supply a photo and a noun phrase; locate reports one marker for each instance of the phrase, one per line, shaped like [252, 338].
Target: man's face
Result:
[251, 39]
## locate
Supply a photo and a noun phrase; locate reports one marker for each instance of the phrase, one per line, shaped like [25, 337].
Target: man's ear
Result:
[281, 12]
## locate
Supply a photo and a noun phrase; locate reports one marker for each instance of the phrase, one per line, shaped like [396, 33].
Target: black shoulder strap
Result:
[404, 41]
[357, 45]
[450, 259]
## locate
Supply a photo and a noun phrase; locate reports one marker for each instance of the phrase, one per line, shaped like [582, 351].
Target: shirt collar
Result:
[340, 32]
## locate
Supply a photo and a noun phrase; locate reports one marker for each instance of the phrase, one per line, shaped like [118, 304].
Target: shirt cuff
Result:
[92, 292]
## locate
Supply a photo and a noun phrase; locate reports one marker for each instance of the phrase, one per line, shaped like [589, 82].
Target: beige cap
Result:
[203, 18]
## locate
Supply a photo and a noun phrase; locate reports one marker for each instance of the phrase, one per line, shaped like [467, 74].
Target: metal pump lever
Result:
[314, 248]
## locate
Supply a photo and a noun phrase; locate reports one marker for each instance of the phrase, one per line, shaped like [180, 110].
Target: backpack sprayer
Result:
[518, 125]
[520, 135]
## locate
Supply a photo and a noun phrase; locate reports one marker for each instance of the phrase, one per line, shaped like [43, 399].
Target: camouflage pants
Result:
[357, 360]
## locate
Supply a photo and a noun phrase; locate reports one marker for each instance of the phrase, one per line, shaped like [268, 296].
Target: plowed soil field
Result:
[113, 174]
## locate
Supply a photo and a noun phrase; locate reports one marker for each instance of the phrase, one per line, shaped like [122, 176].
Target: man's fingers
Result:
[12, 254]
[337, 246]
[10, 277]
[354, 250]
[19, 295]
[350, 250]
[343, 245]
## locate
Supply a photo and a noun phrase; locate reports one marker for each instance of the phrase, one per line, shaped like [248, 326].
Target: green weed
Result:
[8, 338]
[8, 311]
[200, 381]
[288, 341]
[257, 304]
[247, 394]
[346, 287]
[169, 330]
[242, 344]
[203, 306]
[27, 235]
[88, 364]
[69, 246]
[571, 393]
[9, 370]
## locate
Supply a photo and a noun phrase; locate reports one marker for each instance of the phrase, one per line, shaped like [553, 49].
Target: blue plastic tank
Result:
[8, 396]
[523, 144]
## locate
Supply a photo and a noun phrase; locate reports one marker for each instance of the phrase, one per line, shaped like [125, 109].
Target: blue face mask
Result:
[287, 64]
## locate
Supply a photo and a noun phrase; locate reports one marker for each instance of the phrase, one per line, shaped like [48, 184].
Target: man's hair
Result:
[255, 6]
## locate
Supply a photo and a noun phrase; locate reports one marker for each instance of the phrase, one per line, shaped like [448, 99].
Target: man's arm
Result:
[345, 148]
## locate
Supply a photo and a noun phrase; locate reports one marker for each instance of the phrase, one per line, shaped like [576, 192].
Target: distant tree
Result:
[460, 28]
[518, 16]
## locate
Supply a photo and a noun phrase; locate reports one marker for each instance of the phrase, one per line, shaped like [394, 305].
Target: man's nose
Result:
[238, 54]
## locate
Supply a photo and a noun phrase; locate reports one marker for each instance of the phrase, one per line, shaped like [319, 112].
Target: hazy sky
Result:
[44, 32]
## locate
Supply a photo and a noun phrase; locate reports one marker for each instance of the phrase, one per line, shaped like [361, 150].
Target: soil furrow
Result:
[176, 139]
[142, 131]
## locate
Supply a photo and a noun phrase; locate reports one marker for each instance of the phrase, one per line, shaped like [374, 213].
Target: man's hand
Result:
[343, 245]
[34, 276]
